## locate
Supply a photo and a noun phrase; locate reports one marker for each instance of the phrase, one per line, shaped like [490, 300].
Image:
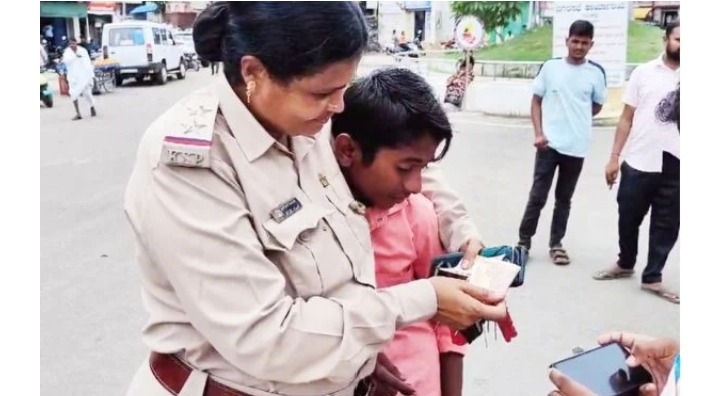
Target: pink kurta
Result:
[405, 239]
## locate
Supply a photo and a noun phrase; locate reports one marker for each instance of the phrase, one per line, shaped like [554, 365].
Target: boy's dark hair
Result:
[581, 28]
[391, 108]
[292, 39]
[671, 26]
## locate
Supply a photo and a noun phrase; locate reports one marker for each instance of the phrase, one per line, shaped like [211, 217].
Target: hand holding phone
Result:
[602, 371]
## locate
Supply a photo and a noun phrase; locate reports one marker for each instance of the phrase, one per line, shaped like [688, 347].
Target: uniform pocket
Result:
[354, 236]
[292, 244]
[298, 226]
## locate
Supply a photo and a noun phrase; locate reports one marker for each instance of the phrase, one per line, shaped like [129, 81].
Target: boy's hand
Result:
[387, 380]
[470, 249]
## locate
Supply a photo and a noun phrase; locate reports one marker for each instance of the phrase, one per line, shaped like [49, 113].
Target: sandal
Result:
[611, 274]
[663, 293]
[559, 255]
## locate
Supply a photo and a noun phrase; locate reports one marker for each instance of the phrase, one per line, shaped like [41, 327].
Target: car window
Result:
[126, 37]
[156, 36]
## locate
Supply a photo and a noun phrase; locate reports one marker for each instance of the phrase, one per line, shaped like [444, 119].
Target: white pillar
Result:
[431, 35]
[531, 15]
[76, 28]
[87, 27]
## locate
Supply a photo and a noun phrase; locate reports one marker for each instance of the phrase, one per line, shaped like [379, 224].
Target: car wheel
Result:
[181, 70]
[162, 76]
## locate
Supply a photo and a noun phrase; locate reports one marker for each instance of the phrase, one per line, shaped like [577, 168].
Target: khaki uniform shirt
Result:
[255, 265]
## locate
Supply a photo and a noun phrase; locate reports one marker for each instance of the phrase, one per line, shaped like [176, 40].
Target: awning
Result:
[144, 9]
[62, 9]
[416, 5]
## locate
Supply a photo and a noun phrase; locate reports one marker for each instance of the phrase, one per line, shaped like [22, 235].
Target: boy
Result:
[390, 130]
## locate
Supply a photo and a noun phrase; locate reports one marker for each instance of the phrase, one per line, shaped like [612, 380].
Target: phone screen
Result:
[604, 371]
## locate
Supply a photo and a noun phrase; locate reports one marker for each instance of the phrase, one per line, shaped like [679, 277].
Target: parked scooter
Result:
[192, 61]
[410, 48]
[448, 44]
[45, 92]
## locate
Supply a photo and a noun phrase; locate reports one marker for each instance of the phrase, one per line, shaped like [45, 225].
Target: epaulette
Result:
[189, 131]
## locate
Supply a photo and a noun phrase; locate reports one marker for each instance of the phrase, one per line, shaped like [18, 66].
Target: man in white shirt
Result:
[650, 174]
[80, 75]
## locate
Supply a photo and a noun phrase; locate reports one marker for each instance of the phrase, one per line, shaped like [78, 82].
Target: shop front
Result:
[61, 19]
[100, 13]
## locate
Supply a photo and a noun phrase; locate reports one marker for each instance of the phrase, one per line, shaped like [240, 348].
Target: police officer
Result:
[256, 263]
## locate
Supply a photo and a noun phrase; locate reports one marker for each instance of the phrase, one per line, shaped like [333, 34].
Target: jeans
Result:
[638, 192]
[545, 165]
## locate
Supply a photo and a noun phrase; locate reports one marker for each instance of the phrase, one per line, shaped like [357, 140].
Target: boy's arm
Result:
[451, 360]
[456, 228]
[451, 367]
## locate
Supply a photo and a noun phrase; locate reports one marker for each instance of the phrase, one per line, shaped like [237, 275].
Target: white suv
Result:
[143, 49]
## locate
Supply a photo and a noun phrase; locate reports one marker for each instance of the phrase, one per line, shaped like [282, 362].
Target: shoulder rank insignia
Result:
[190, 137]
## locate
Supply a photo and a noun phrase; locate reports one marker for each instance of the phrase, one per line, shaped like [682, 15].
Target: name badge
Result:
[285, 210]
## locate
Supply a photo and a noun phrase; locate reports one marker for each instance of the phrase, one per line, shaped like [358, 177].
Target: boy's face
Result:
[579, 46]
[394, 174]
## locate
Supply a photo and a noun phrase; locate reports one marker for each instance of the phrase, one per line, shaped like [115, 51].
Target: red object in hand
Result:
[63, 85]
[507, 327]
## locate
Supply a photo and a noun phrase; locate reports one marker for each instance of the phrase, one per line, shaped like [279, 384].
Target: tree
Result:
[492, 14]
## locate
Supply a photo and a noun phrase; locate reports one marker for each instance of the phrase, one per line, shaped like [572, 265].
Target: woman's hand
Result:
[461, 304]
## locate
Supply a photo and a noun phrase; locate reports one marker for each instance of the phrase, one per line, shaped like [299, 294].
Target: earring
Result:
[250, 89]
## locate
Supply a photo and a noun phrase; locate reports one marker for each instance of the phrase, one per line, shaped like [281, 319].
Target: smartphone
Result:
[604, 371]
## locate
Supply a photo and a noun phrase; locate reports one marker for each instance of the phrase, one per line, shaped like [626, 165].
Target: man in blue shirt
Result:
[568, 92]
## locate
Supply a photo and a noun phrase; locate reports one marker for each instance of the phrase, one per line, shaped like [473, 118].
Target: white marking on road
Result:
[69, 162]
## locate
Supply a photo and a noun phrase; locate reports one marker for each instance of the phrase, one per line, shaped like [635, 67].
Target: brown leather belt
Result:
[173, 373]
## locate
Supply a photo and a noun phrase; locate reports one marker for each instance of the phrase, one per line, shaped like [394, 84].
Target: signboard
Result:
[101, 6]
[610, 35]
[469, 33]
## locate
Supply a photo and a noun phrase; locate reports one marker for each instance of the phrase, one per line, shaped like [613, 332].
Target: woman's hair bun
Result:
[209, 31]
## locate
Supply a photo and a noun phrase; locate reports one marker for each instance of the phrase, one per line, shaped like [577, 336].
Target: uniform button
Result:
[304, 236]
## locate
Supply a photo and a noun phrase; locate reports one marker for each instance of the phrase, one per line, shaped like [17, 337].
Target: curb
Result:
[599, 122]
[610, 121]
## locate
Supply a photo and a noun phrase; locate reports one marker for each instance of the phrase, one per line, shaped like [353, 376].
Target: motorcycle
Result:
[449, 44]
[192, 61]
[45, 92]
[409, 49]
